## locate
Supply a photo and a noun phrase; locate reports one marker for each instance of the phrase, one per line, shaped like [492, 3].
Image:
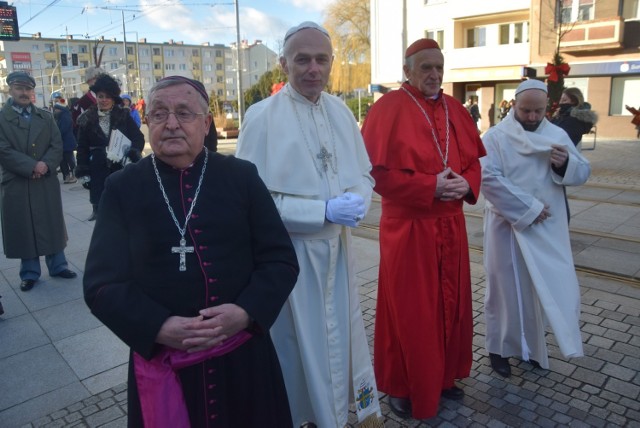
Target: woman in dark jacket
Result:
[95, 127]
[574, 115]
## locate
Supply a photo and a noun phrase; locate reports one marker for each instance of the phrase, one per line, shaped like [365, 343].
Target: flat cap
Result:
[531, 84]
[419, 45]
[305, 25]
[21, 78]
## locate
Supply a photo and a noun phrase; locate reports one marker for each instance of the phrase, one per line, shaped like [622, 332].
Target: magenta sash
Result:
[159, 388]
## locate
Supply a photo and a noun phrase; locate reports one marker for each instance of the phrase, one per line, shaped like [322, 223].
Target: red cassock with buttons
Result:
[241, 254]
[424, 323]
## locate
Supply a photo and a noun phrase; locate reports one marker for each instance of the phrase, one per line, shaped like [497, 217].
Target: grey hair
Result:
[409, 61]
[166, 83]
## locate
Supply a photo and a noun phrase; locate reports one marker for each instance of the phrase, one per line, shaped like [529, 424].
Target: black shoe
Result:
[401, 407]
[67, 274]
[27, 284]
[453, 393]
[535, 364]
[500, 365]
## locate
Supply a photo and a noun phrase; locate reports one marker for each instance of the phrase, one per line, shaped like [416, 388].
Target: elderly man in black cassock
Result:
[189, 265]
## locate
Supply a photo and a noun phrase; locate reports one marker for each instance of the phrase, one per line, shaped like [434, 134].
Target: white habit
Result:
[319, 335]
[531, 279]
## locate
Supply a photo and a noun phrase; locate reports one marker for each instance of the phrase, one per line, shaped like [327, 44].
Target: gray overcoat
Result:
[32, 220]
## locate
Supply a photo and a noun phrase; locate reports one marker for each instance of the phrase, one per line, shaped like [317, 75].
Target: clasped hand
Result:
[346, 209]
[544, 214]
[39, 170]
[451, 186]
[211, 328]
[559, 155]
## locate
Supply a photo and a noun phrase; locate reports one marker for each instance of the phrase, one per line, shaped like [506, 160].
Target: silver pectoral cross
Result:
[325, 157]
[182, 250]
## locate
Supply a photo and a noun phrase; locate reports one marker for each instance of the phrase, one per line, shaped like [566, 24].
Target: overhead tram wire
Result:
[36, 15]
[143, 13]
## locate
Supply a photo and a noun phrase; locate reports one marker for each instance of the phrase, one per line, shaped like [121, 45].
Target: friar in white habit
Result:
[531, 279]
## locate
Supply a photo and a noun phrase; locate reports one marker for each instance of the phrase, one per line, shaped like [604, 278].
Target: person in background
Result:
[636, 118]
[95, 127]
[88, 99]
[62, 115]
[474, 110]
[309, 152]
[425, 150]
[141, 106]
[574, 115]
[211, 139]
[531, 281]
[127, 104]
[505, 106]
[30, 200]
[189, 264]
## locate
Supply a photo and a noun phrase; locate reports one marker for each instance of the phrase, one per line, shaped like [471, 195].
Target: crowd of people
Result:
[232, 278]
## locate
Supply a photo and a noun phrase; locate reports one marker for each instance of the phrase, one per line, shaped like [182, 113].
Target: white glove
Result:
[347, 209]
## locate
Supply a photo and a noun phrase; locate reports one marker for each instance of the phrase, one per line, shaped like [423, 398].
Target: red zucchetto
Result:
[419, 45]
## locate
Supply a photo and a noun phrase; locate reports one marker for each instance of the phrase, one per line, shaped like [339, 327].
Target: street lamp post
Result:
[140, 94]
[52, 74]
[359, 105]
[238, 67]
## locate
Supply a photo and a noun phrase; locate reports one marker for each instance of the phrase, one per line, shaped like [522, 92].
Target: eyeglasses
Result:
[161, 116]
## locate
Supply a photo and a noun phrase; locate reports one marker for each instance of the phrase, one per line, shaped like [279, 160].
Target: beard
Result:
[529, 126]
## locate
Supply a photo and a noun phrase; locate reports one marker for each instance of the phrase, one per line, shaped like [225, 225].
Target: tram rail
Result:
[371, 230]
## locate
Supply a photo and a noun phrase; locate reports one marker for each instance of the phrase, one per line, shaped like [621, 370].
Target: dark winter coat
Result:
[575, 121]
[90, 134]
[65, 125]
[83, 104]
[32, 219]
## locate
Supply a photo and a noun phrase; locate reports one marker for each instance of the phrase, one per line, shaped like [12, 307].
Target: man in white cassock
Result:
[531, 279]
[310, 154]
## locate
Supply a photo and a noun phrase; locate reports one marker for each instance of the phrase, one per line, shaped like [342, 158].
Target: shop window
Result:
[624, 91]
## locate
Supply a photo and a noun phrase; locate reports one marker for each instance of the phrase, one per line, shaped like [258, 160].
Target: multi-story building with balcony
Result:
[255, 60]
[602, 46]
[59, 65]
[490, 46]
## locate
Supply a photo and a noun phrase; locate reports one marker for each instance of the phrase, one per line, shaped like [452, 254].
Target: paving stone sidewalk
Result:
[601, 389]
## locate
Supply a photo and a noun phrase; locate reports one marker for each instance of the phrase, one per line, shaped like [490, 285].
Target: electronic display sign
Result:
[8, 22]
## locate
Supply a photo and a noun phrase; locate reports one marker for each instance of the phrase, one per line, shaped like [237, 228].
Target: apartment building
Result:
[59, 64]
[255, 59]
[490, 46]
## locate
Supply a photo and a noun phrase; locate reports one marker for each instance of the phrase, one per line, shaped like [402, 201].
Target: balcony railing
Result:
[601, 34]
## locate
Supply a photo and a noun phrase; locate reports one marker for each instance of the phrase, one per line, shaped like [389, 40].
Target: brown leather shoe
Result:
[401, 407]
